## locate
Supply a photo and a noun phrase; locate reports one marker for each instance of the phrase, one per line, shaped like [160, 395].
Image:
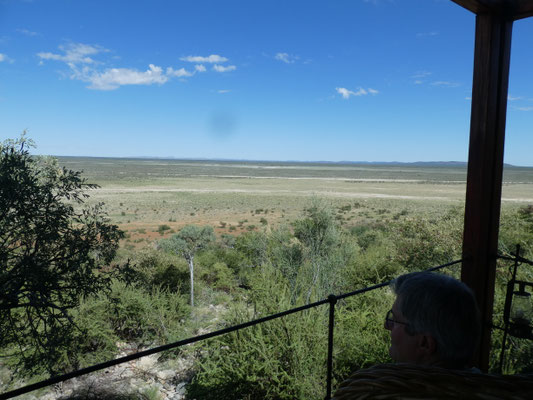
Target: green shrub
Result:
[162, 228]
[424, 243]
[144, 317]
[360, 339]
[153, 268]
[219, 276]
[281, 359]
[97, 340]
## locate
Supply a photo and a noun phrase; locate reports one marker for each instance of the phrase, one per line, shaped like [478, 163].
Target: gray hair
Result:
[443, 307]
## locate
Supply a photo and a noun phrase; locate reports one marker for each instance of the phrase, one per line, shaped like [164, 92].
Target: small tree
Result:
[186, 243]
[319, 234]
[52, 250]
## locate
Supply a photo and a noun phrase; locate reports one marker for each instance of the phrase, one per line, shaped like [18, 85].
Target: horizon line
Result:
[221, 159]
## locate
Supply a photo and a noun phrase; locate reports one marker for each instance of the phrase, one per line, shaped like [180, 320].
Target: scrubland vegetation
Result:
[279, 243]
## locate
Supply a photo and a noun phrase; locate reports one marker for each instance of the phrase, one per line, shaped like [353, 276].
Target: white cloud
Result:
[445, 83]
[511, 98]
[223, 91]
[524, 108]
[221, 68]
[76, 53]
[286, 58]
[5, 58]
[84, 67]
[27, 32]
[213, 58]
[346, 93]
[421, 74]
[113, 78]
[180, 73]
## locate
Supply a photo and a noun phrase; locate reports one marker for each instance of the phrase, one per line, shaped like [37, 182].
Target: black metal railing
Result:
[507, 328]
[331, 300]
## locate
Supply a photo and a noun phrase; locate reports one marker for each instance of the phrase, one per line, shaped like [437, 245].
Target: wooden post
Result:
[485, 166]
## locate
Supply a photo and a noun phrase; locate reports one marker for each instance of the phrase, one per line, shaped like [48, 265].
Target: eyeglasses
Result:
[390, 321]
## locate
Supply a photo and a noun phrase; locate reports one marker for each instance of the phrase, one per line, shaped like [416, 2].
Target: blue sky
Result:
[359, 80]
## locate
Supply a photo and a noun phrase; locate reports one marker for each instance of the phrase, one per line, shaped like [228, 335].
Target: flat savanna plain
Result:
[151, 198]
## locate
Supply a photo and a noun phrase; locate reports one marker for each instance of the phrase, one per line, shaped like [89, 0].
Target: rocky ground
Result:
[147, 378]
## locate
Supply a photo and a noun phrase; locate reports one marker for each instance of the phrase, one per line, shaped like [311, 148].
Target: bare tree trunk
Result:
[191, 270]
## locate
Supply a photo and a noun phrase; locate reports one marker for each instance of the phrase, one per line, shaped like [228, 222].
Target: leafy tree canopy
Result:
[52, 251]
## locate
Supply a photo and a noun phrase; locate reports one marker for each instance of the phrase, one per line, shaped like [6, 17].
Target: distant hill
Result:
[230, 160]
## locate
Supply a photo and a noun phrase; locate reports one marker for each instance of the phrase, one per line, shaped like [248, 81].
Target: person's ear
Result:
[427, 344]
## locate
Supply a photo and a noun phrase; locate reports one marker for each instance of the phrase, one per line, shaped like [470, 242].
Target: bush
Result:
[98, 340]
[157, 269]
[422, 243]
[162, 228]
[281, 359]
[219, 276]
[144, 317]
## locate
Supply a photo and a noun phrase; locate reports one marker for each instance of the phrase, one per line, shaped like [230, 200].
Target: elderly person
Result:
[434, 326]
[434, 321]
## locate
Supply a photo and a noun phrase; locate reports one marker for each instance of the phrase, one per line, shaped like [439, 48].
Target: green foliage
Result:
[424, 242]
[360, 339]
[281, 359]
[96, 341]
[254, 247]
[163, 228]
[227, 240]
[219, 276]
[52, 253]
[186, 243]
[320, 237]
[516, 227]
[375, 262]
[155, 269]
[317, 231]
[144, 317]
[286, 254]
[127, 314]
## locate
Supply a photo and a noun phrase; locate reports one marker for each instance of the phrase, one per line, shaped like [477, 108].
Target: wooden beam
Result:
[485, 165]
[524, 10]
[475, 6]
[512, 9]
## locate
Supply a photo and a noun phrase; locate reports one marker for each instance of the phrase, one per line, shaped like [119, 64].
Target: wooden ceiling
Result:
[514, 9]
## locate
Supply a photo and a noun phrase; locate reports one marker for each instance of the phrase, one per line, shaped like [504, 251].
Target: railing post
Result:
[332, 301]
[507, 307]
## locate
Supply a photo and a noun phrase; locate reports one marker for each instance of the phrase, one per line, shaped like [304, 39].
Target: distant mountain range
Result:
[389, 163]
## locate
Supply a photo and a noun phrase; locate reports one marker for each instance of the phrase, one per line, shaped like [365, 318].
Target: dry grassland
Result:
[146, 196]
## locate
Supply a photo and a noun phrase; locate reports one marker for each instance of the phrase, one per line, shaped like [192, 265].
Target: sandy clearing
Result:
[314, 178]
[271, 192]
[297, 192]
